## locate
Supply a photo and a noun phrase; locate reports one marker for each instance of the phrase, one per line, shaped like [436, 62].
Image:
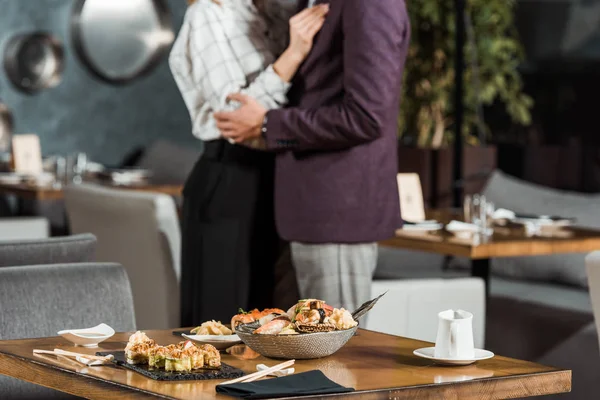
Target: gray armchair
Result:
[141, 232]
[38, 301]
[57, 250]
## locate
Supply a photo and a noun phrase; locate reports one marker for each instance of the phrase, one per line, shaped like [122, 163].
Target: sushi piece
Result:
[212, 357]
[138, 348]
[177, 361]
[158, 356]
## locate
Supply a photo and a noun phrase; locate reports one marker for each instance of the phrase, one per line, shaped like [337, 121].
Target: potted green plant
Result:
[493, 54]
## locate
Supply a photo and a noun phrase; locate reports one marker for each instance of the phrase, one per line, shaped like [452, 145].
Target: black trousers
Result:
[229, 240]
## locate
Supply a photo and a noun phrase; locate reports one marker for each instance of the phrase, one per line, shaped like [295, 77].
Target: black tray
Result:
[225, 372]
[181, 332]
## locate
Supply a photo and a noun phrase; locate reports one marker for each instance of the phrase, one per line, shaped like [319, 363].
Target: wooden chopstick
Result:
[88, 356]
[260, 374]
[71, 354]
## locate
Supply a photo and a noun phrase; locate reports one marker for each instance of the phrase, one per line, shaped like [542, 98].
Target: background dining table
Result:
[510, 241]
[377, 365]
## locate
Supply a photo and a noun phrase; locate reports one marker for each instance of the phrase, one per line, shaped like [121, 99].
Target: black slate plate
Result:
[226, 371]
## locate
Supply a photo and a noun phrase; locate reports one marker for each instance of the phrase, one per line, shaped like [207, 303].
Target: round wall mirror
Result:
[119, 40]
[34, 61]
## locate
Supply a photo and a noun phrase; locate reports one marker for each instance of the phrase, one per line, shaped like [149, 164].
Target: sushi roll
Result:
[158, 356]
[212, 357]
[138, 348]
[178, 361]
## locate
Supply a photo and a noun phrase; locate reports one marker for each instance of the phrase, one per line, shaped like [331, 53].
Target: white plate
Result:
[423, 227]
[89, 337]
[429, 353]
[221, 342]
[11, 178]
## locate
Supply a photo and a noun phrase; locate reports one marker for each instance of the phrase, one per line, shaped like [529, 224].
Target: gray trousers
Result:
[340, 274]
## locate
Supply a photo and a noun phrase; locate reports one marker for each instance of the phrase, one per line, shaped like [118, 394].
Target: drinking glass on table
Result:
[79, 166]
[478, 211]
[60, 172]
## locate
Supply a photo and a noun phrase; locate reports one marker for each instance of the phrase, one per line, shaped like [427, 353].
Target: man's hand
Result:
[243, 124]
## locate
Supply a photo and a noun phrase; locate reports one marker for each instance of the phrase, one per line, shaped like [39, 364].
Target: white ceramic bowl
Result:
[221, 342]
[89, 337]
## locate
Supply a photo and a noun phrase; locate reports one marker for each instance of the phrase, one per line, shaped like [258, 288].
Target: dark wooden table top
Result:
[378, 366]
[33, 192]
[505, 242]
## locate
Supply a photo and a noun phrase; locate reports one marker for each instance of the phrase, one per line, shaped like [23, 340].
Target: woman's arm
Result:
[203, 51]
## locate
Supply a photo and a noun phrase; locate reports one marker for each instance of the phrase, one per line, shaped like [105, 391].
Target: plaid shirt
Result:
[227, 49]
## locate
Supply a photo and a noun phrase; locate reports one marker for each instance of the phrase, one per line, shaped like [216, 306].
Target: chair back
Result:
[39, 301]
[141, 232]
[592, 265]
[410, 307]
[56, 250]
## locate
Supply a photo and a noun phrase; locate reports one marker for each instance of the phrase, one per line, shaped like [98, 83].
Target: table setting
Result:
[269, 373]
[481, 220]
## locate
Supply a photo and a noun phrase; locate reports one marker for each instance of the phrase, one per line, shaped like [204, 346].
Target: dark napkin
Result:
[305, 383]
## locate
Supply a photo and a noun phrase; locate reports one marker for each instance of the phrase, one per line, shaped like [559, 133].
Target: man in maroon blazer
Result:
[335, 186]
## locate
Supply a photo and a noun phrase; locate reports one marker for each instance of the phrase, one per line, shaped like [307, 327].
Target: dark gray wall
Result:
[83, 113]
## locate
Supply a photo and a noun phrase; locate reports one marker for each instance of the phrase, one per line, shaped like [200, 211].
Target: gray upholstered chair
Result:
[38, 301]
[141, 232]
[592, 264]
[57, 250]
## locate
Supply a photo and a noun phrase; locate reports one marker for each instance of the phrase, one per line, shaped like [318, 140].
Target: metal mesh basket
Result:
[303, 346]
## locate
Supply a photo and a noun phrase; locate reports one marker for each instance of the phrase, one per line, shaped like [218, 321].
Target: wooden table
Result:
[378, 366]
[505, 242]
[31, 192]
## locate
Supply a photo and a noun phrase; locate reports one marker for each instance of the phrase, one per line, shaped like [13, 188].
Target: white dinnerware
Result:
[429, 353]
[455, 335]
[89, 337]
[220, 342]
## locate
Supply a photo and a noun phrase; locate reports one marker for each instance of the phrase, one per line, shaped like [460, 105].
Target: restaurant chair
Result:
[410, 307]
[56, 250]
[580, 352]
[169, 162]
[23, 228]
[592, 265]
[140, 231]
[38, 301]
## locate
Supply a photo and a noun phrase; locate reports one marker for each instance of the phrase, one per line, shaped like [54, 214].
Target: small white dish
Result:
[429, 353]
[10, 178]
[221, 342]
[423, 227]
[89, 337]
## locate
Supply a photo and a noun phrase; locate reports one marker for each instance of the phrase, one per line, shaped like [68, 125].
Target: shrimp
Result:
[255, 315]
[273, 327]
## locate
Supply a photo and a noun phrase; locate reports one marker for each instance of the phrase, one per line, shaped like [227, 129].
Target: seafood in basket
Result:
[262, 317]
[182, 357]
[306, 316]
[310, 329]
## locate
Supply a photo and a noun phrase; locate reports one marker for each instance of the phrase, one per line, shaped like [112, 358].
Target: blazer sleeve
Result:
[375, 32]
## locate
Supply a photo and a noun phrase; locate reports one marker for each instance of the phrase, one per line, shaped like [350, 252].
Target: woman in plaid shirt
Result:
[230, 243]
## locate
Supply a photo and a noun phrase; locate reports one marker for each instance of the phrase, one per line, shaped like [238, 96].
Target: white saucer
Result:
[221, 342]
[429, 353]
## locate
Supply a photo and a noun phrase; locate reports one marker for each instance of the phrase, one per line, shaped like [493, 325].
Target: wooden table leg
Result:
[481, 268]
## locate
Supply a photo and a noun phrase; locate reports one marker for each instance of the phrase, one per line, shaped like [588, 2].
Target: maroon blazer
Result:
[335, 174]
